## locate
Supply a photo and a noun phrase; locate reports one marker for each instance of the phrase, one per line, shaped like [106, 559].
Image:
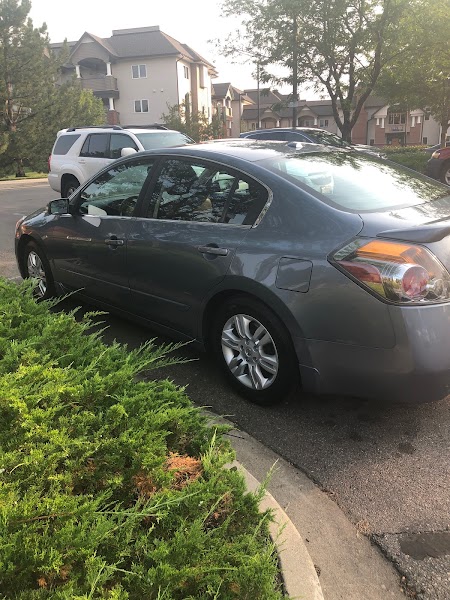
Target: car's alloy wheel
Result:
[37, 267]
[254, 350]
[250, 352]
[445, 177]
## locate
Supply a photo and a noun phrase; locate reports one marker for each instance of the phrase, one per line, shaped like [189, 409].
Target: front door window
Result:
[115, 192]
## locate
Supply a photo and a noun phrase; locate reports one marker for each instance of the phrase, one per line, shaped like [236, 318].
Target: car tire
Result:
[445, 173]
[37, 266]
[262, 372]
[69, 186]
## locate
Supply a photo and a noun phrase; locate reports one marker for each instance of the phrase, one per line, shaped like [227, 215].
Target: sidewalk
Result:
[318, 538]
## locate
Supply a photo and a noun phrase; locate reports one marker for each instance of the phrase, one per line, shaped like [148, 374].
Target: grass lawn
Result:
[28, 175]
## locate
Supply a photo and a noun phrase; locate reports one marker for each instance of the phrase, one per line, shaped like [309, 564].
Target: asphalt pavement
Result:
[386, 468]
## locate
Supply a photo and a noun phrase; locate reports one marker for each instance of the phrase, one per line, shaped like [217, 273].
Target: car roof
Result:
[291, 129]
[100, 129]
[244, 148]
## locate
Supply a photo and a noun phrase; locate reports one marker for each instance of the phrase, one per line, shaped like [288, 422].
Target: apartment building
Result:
[139, 72]
[229, 103]
[378, 124]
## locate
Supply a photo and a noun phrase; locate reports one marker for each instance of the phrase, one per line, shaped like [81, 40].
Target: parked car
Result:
[438, 166]
[431, 149]
[311, 135]
[322, 264]
[80, 152]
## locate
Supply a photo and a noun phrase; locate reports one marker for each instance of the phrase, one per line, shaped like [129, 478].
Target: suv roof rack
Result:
[95, 127]
[154, 126]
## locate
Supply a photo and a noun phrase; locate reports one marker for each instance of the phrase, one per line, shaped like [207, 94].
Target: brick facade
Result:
[359, 131]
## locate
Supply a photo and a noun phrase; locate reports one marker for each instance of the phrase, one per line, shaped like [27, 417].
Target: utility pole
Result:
[294, 74]
[258, 99]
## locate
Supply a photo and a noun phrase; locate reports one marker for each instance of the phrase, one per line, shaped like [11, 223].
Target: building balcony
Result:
[396, 128]
[103, 87]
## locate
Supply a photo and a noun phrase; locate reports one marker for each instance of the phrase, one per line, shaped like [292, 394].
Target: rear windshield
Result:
[355, 182]
[163, 139]
[64, 143]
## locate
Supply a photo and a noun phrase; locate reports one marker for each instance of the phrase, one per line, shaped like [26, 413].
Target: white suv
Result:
[79, 152]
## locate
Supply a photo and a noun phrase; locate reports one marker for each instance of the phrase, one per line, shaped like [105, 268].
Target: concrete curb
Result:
[299, 575]
[23, 180]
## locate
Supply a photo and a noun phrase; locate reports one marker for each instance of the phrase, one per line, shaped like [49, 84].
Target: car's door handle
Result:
[213, 250]
[114, 242]
[82, 161]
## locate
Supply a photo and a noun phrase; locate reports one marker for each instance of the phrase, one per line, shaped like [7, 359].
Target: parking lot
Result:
[387, 467]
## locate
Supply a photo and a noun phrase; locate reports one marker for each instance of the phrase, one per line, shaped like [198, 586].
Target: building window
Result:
[186, 72]
[141, 106]
[323, 123]
[139, 71]
[425, 140]
[397, 118]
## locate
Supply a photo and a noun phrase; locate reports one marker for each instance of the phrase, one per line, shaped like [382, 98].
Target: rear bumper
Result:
[54, 182]
[416, 369]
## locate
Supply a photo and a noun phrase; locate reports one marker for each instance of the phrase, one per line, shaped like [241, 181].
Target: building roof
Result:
[375, 101]
[141, 42]
[251, 114]
[266, 97]
[220, 90]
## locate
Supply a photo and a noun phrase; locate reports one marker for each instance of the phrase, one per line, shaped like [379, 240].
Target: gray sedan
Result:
[316, 264]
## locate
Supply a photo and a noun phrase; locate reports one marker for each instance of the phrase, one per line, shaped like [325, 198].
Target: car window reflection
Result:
[188, 191]
[115, 192]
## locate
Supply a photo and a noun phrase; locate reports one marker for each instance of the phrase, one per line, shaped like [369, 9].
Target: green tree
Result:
[32, 106]
[68, 106]
[195, 125]
[338, 46]
[424, 80]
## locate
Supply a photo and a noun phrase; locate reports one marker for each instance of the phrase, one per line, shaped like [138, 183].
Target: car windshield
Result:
[357, 183]
[163, 139]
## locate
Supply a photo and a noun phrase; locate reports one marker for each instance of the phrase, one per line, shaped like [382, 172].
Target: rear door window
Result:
[95, 146]
[192, 191]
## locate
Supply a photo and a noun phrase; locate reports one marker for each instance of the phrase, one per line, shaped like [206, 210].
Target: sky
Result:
[192, 22]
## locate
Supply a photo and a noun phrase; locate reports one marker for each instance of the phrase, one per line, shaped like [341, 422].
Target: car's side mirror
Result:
[127, 151]
[58, 207]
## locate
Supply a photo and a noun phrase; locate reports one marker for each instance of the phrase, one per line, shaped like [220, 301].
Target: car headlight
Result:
[395, 271]
[436, 154]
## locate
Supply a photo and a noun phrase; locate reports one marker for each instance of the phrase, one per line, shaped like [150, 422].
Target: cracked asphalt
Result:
[387, 467]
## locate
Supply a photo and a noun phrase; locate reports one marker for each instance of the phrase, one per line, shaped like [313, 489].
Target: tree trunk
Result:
[346, 131]
[20, 172]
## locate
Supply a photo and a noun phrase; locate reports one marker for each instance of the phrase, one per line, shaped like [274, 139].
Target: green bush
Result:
[113, 487]
[412, 157]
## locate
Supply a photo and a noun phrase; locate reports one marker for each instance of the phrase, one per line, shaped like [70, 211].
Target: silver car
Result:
[312, 264]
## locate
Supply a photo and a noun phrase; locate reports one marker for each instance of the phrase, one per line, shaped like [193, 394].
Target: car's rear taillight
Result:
[49, 163]
[398, 272]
